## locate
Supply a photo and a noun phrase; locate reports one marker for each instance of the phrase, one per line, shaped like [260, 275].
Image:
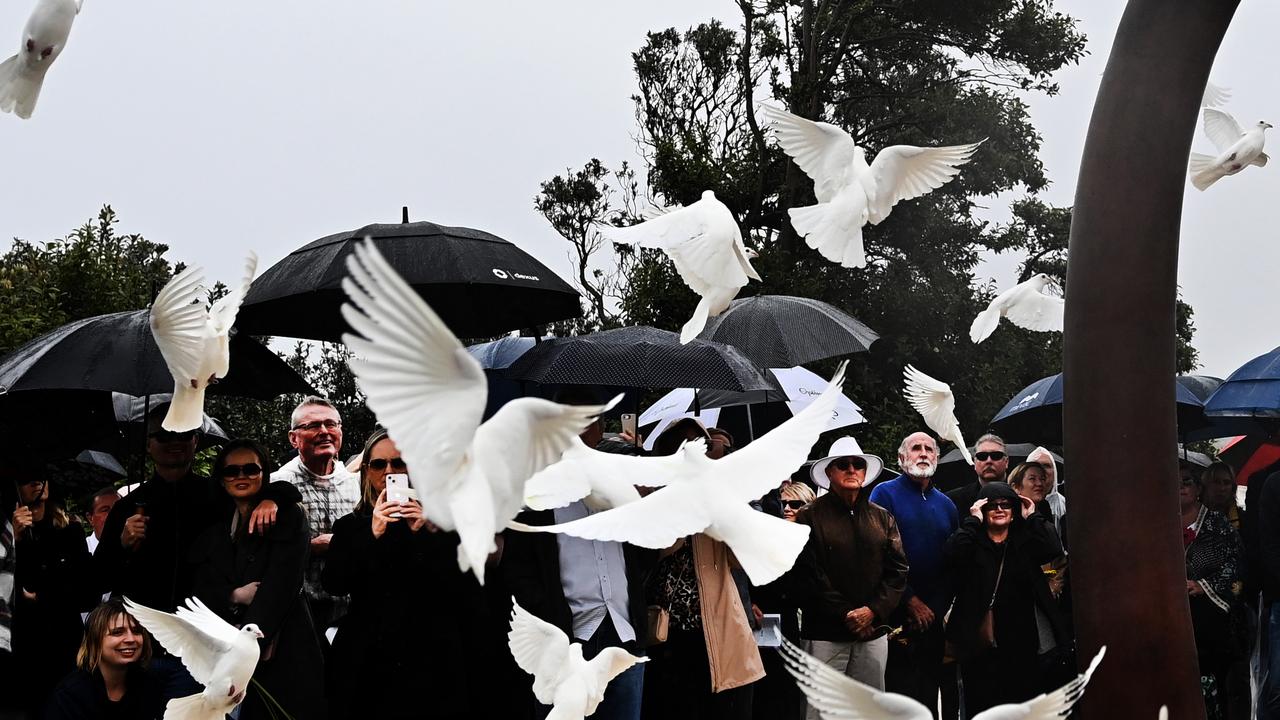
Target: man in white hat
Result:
[855, 562]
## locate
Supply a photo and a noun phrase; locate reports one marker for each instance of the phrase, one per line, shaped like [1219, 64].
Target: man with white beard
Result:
[926, 518]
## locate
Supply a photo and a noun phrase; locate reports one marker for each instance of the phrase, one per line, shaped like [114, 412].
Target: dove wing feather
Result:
[223, 313]
[1214, 95]
[612, 662]
[178, 322]
[931, 398]
[419, 380]
[703, 253]
[837, 695]
[198, 645]
[540, 649]
[1034, 310]
[1049, 706]
[1222, 129]
[608, 476]
[903, 172]
[823, 151]
[655, 521]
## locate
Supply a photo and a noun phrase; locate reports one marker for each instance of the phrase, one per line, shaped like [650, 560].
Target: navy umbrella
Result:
[479, 284]
[1250, 396]
[1034, 414]
[785, 331]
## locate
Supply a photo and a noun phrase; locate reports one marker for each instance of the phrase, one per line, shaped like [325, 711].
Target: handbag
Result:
[987, 628]
[659, 624]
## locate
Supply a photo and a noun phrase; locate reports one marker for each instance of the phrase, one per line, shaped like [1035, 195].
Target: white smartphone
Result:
[398, 489]
[629, 423]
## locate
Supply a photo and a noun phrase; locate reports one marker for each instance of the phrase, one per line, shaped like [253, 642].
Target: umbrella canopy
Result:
[784, 331]
[1253, 391]
[639, 357]
[499, 354]
[1035, 412]
[479, 284]
[116, 353]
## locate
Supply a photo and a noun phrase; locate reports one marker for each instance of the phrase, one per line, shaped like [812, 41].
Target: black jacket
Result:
[83, 696]
[1266, 553]
[531, 567]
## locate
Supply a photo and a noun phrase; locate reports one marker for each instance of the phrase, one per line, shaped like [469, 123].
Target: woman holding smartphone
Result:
[406, 589]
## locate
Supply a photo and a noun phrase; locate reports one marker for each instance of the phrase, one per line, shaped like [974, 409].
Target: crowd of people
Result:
[961, 600]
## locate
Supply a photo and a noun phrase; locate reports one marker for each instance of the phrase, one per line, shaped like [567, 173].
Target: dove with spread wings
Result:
[1026, 305]
[936, 403]
[1237, 148]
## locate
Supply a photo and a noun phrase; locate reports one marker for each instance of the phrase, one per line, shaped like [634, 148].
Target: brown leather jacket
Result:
[731, 646]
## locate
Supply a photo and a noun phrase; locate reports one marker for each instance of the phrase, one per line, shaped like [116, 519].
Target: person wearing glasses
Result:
[994, 564]
[990, 464]
[329, 491]
[855, 564]
[412, 615]
[795, 496]
[149, 533]
[257, 578]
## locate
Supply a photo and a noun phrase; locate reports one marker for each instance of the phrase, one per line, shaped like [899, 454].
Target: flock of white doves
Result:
[474, 477]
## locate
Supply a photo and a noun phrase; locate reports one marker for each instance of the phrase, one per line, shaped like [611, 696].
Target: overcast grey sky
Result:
[216, 127]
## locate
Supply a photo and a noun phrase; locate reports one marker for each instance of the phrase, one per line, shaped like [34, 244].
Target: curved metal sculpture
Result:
[1127, 564]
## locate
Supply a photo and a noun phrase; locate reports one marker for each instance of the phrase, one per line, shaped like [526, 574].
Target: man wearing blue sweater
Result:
[926, 518]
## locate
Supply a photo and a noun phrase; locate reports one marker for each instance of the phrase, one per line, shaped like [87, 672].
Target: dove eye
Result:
[31, 45]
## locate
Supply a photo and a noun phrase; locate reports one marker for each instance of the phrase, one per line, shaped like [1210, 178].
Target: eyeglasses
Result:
[382, 463]
[994, 456]
[1000, 505]
[844, 463]
[165, 436]
[794, 504]
[313, 426]
[245, 470]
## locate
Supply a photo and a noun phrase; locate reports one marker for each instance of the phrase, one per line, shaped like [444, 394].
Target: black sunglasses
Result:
[382, 463]
[246, 470]
[845, 463]
[995, 455]
[166, 436]
[794, 504]
[1000, 505]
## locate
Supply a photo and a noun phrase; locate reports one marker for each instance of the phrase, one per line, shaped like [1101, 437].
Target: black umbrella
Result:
[116, 353]
[479, 284]
[785, 331]
[639, 357]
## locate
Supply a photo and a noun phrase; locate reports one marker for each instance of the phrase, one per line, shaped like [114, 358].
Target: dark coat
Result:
[155, 573]
[413, 619]
[53, 563]
[83, 696]
[531, 568]
[854, 558]
[291, 666]
[1264, 536]
[973, 563]
[965, 496]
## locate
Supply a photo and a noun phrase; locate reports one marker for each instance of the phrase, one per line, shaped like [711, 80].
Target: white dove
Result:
[601, 480]
[571, 685]
[1214, 95]
[836, 695]
[1025, 305]
[43, 39]
[705, 243]
[711, 496]
[217, 655]
[1237, 149]
[935, 402]
[850, 193]
[195, 342]
[430, 394]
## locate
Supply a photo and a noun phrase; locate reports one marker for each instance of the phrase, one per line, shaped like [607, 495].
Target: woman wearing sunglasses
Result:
[994, 564]
[257, 578]
[411, 608]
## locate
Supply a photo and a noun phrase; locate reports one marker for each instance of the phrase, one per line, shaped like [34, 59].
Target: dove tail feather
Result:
[835, 243]
[984, 325]
[19, 90]
[1203, 172]
[765, 546]
[697, 323]
[191, 707]
[186, 410]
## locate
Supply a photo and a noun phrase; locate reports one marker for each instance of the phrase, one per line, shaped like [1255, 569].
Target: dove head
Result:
[708, 195]
[1264, 124]
[752, 254]
[252, 629]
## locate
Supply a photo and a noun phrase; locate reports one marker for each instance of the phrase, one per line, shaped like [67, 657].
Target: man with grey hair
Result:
[329, 491]
[990, 464]
[925, 518]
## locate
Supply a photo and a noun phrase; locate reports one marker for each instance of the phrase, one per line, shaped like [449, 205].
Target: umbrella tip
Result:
[404, 214]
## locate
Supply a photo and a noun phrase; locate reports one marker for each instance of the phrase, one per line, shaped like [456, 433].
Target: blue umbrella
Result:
[1034, 414]
[1251, 395]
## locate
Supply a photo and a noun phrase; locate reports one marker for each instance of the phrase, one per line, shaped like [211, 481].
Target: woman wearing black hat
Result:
[994, 562]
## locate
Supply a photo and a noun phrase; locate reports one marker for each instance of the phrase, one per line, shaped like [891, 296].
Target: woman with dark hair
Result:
[51, 585]
[110, 681]
[413, 613]
[257, 578]
[994, 563]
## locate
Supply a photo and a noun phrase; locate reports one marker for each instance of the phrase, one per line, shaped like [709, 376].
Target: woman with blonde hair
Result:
[795, 497]
[111, 679]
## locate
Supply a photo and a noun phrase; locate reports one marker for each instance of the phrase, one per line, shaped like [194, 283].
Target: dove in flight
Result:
[851, 193]
[836, 695]
[705, 243]
[935, 402]
[601, 480]
[430, 394]
[708, 496]
[1025, 305]
[195, 342]
[562, 678]
[43, 39]
[1214, 95]
[1237, 148]
[218, 656]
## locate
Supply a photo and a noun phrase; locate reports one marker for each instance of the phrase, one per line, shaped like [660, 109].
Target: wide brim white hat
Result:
[844, 447]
